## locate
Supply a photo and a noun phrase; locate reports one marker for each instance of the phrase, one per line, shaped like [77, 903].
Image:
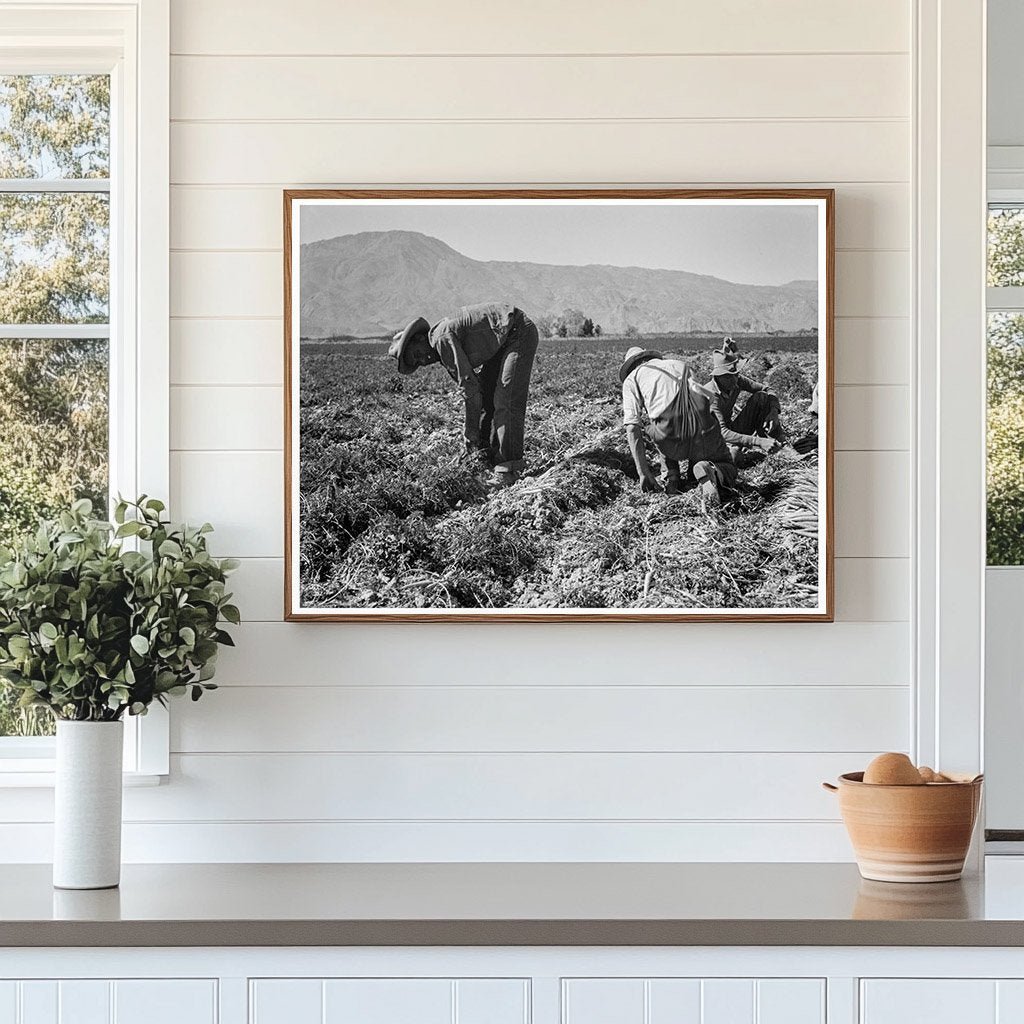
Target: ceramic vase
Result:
[87, 805]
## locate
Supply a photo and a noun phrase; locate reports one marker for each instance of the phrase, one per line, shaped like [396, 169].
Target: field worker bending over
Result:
[759, 423]
[488, 351]
[682, 425]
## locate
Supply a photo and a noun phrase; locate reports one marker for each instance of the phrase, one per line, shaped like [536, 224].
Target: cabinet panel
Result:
[8, 1002]
[39, 1002]
[674, 1001]
[83, 1002]
[929, 1001]
[388, 1001]
[492, 1001]
[603, 1001]
[286, 1001]
[790, 1001]
[1010, 1002]
[103, 1001]
[694, 1001]
[727, 1001]
[165, 1002]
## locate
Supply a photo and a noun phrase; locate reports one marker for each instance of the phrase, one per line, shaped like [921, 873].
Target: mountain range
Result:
[372, 283]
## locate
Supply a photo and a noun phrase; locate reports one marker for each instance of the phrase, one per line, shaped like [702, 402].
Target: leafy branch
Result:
[91, 629]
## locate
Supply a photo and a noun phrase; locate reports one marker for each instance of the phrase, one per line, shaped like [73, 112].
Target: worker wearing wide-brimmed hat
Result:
[488, 350]
[680, 424]
[759, 423]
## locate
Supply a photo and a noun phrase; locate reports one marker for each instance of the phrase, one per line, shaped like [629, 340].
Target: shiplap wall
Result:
[536, 741]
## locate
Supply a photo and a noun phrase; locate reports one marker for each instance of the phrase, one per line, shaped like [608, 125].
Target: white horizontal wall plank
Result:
[867, 589]
[240, 493]
[571, 151]
[872, 589]
[462, 26]
[234, 418]
[250, 216]
[870, 350]
[421, 654]
[211, 352]
[258, 586]
[448, 786]
[872, 502]
[248, 284]
[463, 842]
[537, 87]
[873, 283]
[205, 284]
[869, 418]
[554, 718]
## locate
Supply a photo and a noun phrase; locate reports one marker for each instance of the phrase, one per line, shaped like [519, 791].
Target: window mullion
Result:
[1005, 300]
[63, 332]
[54, 185]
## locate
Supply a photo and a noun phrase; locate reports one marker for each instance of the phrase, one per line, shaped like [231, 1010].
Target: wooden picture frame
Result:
[335, 487]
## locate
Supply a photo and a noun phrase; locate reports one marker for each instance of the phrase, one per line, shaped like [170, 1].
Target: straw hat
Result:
[401, 342]
[723, 364]
[633, 358]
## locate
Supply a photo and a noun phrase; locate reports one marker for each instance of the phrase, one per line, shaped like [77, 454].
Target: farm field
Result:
[391, 517]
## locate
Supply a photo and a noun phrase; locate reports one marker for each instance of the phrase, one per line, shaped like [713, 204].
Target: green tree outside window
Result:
[54, 270]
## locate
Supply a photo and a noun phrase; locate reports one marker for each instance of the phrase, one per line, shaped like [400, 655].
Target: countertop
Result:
[560, 904]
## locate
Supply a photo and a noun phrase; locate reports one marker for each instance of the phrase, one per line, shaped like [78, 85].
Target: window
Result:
[54, 308]
[1005, 478]
[84, 124]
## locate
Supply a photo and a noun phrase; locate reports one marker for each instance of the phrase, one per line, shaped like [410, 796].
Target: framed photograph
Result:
[559, 405]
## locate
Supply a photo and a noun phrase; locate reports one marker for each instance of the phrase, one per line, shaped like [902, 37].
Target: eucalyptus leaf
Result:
[93, 631]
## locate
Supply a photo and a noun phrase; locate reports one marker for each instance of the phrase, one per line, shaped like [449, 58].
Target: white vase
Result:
[87, 805]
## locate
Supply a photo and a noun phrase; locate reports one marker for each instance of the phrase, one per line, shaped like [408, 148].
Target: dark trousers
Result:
[505, 384]
[759, 415]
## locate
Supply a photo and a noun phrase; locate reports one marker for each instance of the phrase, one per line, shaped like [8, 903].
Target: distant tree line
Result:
[570, 323]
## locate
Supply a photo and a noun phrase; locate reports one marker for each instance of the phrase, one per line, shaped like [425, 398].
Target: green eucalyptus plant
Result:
[91, 628]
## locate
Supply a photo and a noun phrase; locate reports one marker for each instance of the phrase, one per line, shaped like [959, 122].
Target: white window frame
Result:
[130, 41]
[949, 401]
[1004, 717]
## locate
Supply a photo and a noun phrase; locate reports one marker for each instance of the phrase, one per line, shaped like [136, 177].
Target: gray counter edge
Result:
[510, 933]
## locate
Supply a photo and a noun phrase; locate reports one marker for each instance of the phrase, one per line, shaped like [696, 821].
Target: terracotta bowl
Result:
[909, 833]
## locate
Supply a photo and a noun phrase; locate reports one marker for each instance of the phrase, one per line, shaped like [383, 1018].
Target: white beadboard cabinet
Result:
[513, 985]
[109, 1001]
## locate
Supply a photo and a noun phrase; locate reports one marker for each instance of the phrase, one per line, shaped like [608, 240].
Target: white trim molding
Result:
[131, 41]
[950, 215]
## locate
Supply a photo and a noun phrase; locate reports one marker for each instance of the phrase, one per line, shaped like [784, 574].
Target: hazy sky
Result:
[758, 244]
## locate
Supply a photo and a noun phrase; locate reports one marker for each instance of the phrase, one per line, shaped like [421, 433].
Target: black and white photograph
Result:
[558, 405]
